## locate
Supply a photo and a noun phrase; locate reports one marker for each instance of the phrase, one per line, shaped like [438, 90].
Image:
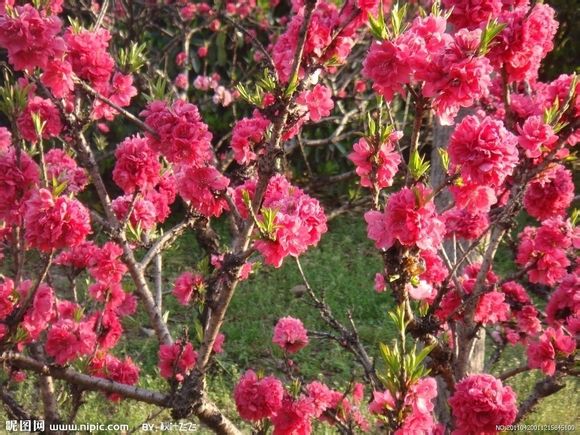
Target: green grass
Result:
[342, 268]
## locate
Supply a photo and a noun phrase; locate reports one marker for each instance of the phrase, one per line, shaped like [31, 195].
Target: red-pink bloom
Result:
[380, 284]
[409, 218]
[68, 340]
[247, 134]
[435, 270]
[180, 58]
[163, 196]
[109, 367]
[382, 402]
[5, 139]
[480, 402]
[106, 264]
[293, 417]
[78, 257]
[472, 13]
[387, 66]
[320, 396]
[565, 301]
[536, 136]
[550, 193]
[42, 312]
[17, 177]
[218, 343]
[382, 164]
[110, 293]
[318, 102]
[54, 223]
[30, 37]
[419, 399]
[57, 76]
[48, 114]
[422, 291]
[183, 136]
[290, 334]
[203, 188]
[63, 169]
[137, 166]
[463, 224]
[188, 286]
[143, 215]
[491, 308]
[181, 81]
[110, 329]
[120, 90]
[543, 353]
[176, 360]
[473, 198]
[7, 297]
[299, 221]
[485, 150]
[88, 55]
[256, 398]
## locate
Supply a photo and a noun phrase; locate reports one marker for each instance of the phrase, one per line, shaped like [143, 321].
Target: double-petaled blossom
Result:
[247, 134]
[106, 263]
[30, 37]
[182, 136]
[54, 223]
[317, 101]
[536, 137]
[377, 166]
[550, 193]
[484, 150]
[18, 176]
[543, 251]
[491, 308]
[463, 224]
[472, 13]
[290, 334]
[552, 344]
[299, 219]
[40, 315]
[409, 218]
[137, 166]
[143, 212]
[62, 169]
[68, 340]
[480, 403]
[564, 303]
[176, 360]
[203, 187]
[294, 416]
[121, 371]
[188, 286]
[258, 398]
[48, 114]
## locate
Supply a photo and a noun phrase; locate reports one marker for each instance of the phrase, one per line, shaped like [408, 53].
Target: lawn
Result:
[343, 268]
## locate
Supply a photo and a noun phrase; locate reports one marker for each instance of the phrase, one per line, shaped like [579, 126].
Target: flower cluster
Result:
[176, 360]
[290, 334]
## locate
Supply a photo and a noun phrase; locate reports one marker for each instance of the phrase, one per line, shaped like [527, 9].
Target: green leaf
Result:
[444, 156]
[418, 166]
[491, 30]
[398, 14]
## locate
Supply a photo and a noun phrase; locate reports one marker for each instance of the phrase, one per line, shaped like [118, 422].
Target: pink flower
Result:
[183, 136]
[180, 58]
[463, 224]
[422, 291]
[472, 13]
[68, 340]
[106, 265]
[143, 216]
[110, 367]
[293, 417]
[176, 360]
[7, 299]
[290, 334]
[17, 177]
[435, 270]
[382, 164]
[5, 139]
[54, 223]
[63, 169]
[201, 186]
[188, 286]
[181, 81]
[380, 284]
[48, 114]
[42, 312]
[473, 197]
[565, 301]
[247, 134]
[320, 396]
[202, 51]
[57, 77]
[218, 343]
[387, 66]
[162, 196]
[543, 353]
[485, 150]
[491, 308]
[318, 102]
[89, 57]
[480, 402]
[550, 193]
[257, 399]
[409, 218]
[382, 402]
[535, 135]
[31, 38]
[137, 166]
[419, 399]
